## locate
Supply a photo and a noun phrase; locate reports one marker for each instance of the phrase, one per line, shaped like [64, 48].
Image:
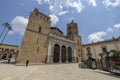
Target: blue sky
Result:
[97, 19]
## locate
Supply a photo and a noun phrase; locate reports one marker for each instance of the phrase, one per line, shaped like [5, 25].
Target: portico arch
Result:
[63, 54]
[56, 54]
[69, 54]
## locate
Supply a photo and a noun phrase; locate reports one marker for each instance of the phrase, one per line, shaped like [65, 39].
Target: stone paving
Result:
[52, 72]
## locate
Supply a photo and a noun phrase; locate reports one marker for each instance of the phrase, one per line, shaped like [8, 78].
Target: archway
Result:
[63, 54]
[10, 56]
[69, 54]
[56, 54]
[4, 56]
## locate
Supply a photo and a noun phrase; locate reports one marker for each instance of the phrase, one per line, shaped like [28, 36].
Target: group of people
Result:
[91, 63]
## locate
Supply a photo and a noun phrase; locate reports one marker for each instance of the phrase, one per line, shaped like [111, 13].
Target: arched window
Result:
[69, 27]
[69, 33]
[88, 49]
[104, 48]
[37, 40]
[39, 29]
[1, 50]
[75, 32]
[37, 49]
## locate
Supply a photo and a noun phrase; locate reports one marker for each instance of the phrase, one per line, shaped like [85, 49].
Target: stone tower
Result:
[34, 46]
[73, 34]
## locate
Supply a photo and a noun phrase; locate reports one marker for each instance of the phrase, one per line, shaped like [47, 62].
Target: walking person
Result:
[9, 60]
[27, 62]
[93, 65]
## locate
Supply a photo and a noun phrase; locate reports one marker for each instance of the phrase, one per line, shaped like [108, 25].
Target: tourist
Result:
[9, 60]
[27, 62]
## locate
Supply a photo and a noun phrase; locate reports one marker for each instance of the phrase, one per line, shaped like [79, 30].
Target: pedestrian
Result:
[93, 65]
[9, 60]
[27, 62]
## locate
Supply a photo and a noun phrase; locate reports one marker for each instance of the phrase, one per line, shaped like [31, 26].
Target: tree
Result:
[6, 25]
[101, 55]
[115, 53]
[3, 28]
[107, 54]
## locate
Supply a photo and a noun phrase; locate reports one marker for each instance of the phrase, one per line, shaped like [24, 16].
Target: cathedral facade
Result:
[45, 44]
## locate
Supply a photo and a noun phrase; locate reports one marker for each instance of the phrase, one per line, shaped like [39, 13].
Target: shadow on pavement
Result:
[6, 62]
[108, 74]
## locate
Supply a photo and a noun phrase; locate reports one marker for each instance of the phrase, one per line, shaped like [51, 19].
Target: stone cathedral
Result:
[45, 44]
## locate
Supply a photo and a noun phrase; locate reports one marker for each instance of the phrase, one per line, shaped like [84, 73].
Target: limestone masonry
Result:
[45, 44]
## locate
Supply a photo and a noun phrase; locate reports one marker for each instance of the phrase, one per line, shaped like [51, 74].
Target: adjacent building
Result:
[8, 51]
[94, 49]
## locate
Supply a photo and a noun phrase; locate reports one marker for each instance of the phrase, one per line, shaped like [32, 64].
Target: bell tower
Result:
[73, 34]
[72, 30]
[35, 41]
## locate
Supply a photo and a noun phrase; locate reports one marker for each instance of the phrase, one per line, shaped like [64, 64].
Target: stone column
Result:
[60, 55]
[74, 54]
[51, 56]
[7, 55]
[67, 54]
[49, 53]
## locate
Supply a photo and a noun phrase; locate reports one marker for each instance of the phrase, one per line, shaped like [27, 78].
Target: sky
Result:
[97, 20]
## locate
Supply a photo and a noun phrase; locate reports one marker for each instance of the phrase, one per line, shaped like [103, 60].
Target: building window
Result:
[1, 50]
[37, 49]
[12, 51]
[39, 29]
[88, 49]
[36, 14]
[69, 33]
[37, 40]
[47, 19]
[75, 32]
[104, 49]
[69, 27]
[6, 51]
[78, 50]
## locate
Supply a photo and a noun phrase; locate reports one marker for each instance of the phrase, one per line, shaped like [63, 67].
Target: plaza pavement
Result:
[52, 72]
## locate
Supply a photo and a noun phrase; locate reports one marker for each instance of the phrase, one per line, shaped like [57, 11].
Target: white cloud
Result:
[60, 7]
[77, 5]
[98, 36]
[109, 29]
[11, 32]
[117, 25]
[57, 6]
[19, 24]
[39, 1]
[54, 19]
[92, 2]
[110, 3]
[62, 13]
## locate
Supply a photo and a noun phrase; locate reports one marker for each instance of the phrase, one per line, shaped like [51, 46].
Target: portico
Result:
[60, 50]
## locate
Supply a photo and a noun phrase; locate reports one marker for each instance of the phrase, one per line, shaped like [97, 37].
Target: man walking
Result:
[27, 62]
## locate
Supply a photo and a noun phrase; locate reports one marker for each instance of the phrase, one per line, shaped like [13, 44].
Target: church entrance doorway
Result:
[56, 54]
[63, 55]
